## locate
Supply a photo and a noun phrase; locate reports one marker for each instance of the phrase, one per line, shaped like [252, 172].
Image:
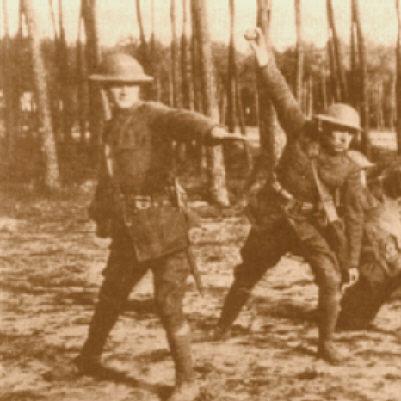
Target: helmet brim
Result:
[120, 79]
[334, 121]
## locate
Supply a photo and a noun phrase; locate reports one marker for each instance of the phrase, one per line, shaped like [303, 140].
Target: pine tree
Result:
[52, 177]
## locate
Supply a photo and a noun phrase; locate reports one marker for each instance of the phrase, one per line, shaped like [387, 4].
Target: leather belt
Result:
[290, 202]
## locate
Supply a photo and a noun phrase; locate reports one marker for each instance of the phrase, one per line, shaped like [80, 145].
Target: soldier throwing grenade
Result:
[315, 174]
[136, 201]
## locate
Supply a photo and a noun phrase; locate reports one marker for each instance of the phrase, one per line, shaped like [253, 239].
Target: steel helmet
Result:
[122, 68]
[342, 115]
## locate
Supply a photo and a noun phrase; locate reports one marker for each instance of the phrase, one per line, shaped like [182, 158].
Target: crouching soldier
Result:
[380, 268]
[136, 202]
[292, 211]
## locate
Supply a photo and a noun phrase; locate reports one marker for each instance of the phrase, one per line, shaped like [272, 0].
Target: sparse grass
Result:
[50, 276]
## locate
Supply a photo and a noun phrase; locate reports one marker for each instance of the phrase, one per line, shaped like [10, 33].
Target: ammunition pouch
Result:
[106, 208]
[100, 212]
[157, 230]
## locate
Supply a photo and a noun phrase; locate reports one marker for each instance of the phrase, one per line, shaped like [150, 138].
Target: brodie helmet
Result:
[120, 68]
[341, 115]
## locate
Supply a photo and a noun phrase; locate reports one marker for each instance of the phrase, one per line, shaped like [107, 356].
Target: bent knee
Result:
[329, 280]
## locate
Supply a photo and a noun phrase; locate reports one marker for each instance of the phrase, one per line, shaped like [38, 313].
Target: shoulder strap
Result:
[326, 198]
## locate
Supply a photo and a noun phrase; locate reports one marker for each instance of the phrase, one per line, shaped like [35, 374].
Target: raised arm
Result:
[288, 110]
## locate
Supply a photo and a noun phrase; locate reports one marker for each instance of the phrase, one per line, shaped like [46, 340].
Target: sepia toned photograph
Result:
[200, 200]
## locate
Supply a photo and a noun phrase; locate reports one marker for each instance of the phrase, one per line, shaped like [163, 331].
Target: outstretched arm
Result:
[180, 124]
[288, 110]
[185, 125]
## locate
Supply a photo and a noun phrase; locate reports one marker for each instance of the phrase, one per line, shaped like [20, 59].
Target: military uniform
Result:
[380, 271]
[279, 226]
[148, 230]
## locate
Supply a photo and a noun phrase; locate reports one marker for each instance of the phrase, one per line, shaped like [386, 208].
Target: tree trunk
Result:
[334, 88]
[187, 94]
[379, 107]
[52, 178]
[216, 171]
[144, 50]
[152, 40]
[53, 20]
[187, 84]
[93, 58]
[353, 84]
[324, 89]
[309, 98]
[64, 79]
[154, 71]
[231, 76]
[195, 58]
[300, 51]
[364, 107]
[393, 102]
[267, 115]
[235, 113]
[337, 52]
[196, 85]
[8, 93]
[173, 51]
[398, 79]
[82, 86]
[55, 90]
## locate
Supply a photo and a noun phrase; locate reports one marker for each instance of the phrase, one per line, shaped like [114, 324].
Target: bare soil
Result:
[50, 271]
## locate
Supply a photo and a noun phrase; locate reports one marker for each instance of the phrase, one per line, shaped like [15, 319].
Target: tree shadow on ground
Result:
[297, 313]
[140, 306]
[117, 376]
[373, 328]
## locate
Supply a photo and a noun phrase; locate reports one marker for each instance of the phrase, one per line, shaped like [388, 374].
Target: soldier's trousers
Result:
[362, 301]
[264, 248]
[120, 276]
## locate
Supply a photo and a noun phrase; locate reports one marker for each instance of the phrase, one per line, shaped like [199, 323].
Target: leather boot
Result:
[89, 360]
[328, 352]
[233, 303]
[328, 308]
[188, 391]
[180, 346]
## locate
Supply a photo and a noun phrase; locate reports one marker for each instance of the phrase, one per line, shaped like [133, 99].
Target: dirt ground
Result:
[50, 270]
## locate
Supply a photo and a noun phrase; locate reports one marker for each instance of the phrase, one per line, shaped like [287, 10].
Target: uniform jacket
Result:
[294, 170]
[140, 140]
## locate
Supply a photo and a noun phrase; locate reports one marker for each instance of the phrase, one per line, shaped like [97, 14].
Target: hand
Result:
[257, 42]
[353, 275]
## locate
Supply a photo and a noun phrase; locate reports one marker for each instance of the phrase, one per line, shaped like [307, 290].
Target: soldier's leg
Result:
[324, 264]
[261, 251]
[170, 281]
[120, 275]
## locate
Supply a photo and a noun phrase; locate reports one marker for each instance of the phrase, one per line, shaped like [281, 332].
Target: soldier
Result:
[137, 206]
[315, 170]
[380, 268]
